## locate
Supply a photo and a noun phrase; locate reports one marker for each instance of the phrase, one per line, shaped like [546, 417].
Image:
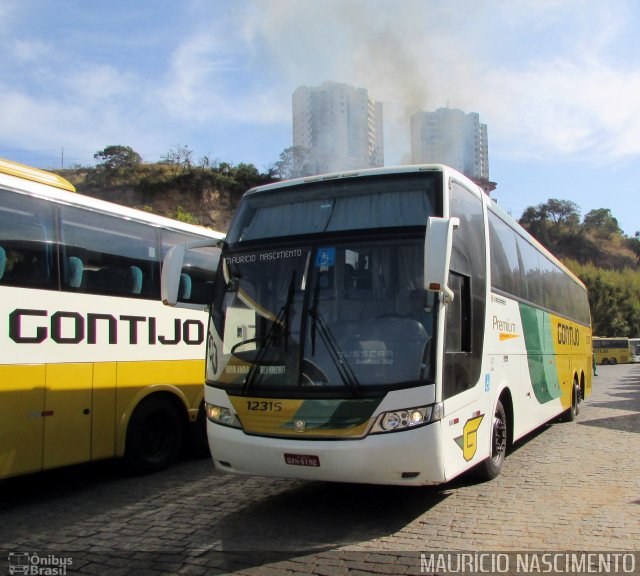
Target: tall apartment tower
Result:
[338, 126]
[449, 136]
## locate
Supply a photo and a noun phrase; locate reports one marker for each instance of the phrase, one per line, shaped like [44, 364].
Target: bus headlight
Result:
[407, 418]
[221, 415]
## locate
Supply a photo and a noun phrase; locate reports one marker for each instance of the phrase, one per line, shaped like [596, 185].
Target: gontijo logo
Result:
[30, 326]
[568, 335]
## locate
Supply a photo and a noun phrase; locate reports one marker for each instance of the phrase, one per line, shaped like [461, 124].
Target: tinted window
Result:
[505, 265]
[109, 255]
[27, 249]
[527, 274]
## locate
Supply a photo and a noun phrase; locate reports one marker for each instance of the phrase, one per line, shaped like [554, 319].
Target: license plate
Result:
[302, 460]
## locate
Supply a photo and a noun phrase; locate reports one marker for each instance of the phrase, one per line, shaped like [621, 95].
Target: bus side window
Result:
[459, 315]
[107, 255]
[26, 234]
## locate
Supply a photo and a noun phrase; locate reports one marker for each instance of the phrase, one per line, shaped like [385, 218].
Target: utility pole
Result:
[62, 159]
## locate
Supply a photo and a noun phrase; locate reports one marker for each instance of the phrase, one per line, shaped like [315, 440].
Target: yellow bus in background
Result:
[611, 350]
[92, 365]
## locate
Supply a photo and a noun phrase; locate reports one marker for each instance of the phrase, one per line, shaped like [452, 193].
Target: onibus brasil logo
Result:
[38, 564]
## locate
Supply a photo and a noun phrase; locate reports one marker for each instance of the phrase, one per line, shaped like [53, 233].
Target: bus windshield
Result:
[347, 314]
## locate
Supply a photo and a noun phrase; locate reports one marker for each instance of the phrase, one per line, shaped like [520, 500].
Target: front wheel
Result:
[491, 467]
[154, 435]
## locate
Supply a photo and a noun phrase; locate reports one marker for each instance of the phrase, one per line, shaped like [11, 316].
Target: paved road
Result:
[571, 487]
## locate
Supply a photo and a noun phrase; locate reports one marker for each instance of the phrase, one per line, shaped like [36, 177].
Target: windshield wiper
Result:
[280, 323]
[319, 325]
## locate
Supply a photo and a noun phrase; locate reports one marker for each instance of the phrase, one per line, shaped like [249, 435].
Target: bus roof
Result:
[50, 186]
[34, 174]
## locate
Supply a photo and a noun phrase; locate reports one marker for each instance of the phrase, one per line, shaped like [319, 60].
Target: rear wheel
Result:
[491, 467]
[571, 413]
[613, 361]
[154, 436]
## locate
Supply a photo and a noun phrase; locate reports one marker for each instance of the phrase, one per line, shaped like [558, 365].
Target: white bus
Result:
[634, 349]
[387, 326]
[92, 365]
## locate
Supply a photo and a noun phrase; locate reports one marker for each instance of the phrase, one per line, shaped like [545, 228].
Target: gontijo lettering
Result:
[32, 326]
[568, 335]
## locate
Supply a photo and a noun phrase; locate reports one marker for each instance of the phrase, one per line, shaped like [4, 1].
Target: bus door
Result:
[467, 424]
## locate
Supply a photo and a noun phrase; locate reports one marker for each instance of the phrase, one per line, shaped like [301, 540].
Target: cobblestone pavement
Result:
[572, 487]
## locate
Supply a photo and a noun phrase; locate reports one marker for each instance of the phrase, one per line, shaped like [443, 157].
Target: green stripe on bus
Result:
[540, 353]
[335, 414]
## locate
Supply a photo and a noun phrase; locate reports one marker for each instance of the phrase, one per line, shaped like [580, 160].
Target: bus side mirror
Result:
[170, 278]
[172, 271]
[437, 255]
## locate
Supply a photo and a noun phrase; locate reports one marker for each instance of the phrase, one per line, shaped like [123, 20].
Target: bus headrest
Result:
[136, 280]
[184, 291]
[76, 269]
[3, 261]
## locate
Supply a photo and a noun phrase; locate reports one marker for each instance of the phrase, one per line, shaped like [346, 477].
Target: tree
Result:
[634, 245]
[180, 156]
[535, 220]
[601, 222]
[563, 213]
[292, 162]
[115, 158]
[553, 223]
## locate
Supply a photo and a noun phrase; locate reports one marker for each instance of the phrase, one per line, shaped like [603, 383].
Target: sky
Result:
[557, 82]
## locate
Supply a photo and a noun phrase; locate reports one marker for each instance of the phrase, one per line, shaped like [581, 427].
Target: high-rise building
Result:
[451, 137]
[337, 127]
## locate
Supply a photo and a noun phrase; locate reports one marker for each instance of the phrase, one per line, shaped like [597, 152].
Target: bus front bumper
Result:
[410, 457]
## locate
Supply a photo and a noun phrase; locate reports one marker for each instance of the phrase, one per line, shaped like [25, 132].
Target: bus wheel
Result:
[491, 467]
[613, 361]
[154, 436]
[197, 441]
[571, 413]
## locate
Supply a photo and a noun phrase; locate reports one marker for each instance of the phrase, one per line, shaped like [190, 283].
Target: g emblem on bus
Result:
[469, 439]
[299, 425]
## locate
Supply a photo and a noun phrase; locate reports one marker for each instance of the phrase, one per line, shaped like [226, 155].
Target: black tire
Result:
[613, 361]
[491, 467]
[154, 435]
[571, 413]
[197, 441]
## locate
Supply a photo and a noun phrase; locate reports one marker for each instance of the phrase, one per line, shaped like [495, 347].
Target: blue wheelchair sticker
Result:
[325, 258]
